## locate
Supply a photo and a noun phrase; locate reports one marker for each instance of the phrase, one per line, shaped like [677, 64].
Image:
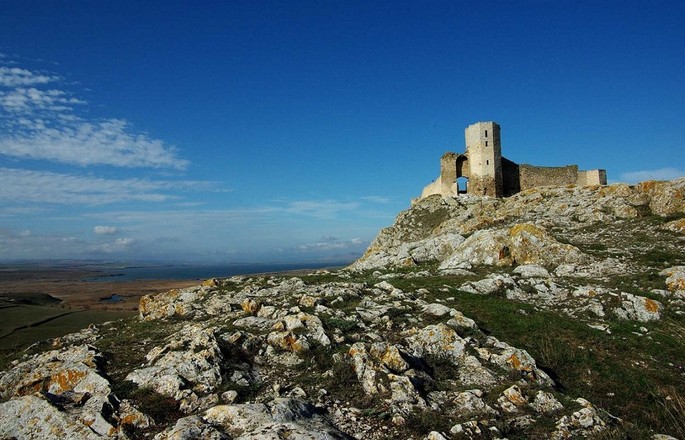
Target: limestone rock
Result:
[56, 372]
[176, 302]
[434, 435]
[364, 368]
[70, 376]
[186, 368]
[676, 278]
[288, 341]
[471, 402]
[486, 247]
[32, 417]
[676, 226]
[404, 396]
[665, 197]
[512, 398]
[492, 284]
[304, 323]
[523, 243]
[389, 356]
[545, 402]
[515, 359]
[531, 271]
[437, 340]
[639, 308]
[531, 244]
[581, 423]
[269, 420]
[436, 309]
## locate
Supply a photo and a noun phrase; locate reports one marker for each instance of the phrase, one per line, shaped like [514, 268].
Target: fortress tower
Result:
[484, 153]
[489, 174]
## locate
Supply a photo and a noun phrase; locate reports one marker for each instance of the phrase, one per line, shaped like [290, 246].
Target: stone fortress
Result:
[487, 173]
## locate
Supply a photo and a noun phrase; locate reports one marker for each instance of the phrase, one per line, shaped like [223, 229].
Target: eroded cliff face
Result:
[527, 317]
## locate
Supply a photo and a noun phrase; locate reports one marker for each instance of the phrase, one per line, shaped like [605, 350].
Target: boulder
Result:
[638, 308]
[31, 417]
[437, 340]
[186, 369]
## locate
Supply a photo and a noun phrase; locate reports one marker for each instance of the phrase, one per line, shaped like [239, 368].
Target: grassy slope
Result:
[25, 324]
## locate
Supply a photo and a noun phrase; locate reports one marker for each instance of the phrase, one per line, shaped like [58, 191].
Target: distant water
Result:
[187, 272]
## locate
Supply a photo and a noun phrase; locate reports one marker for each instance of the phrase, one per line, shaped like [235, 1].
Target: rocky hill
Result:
[556, 313]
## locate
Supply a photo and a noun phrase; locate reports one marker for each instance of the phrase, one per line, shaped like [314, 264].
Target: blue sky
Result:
[293, 131]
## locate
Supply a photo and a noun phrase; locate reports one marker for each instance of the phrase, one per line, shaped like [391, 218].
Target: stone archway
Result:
[462, 166]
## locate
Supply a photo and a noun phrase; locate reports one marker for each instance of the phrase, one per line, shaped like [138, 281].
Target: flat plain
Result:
[42, 301]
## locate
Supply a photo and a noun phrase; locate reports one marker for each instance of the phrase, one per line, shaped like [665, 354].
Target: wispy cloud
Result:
[15, 76]
[331, 243]
[17, 185]
[21, 100]
[83, 143]
[18, 245]
[118, 245]
[105, 230]
[317, 208]
[657, 174]
[38, 123]
[377, 199]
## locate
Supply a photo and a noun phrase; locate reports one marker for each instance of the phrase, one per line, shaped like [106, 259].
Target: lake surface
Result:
[197, 272]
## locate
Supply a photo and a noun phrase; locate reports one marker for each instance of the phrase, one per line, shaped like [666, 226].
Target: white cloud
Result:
[43, 124]
[108, 142]
[117, 246]
[18, 185]
[15, 76]
[105, 230]
[22, 100]
[658, 174]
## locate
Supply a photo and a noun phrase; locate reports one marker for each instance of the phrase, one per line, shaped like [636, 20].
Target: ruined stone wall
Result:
[531, 176]
[448, 167]
[592, 177]
[490, 174]
[510, 178]
[446, 183]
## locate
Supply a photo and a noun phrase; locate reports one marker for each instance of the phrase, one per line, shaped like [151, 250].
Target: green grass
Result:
[633, 377]
[620, 372]
[24, 325]
[126, 343]
[163, 410]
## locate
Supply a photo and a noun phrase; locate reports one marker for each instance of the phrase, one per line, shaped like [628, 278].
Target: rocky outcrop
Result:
[276, 419]
[523, 243]
[63, 394]
[187, 369]
[392, 343]
[512, 231]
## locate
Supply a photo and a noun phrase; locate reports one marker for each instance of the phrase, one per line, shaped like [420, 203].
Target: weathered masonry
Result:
[486, 173]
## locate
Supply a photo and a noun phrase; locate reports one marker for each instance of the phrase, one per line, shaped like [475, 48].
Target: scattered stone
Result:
[545, 403]
[639, 308]
[531, 271]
